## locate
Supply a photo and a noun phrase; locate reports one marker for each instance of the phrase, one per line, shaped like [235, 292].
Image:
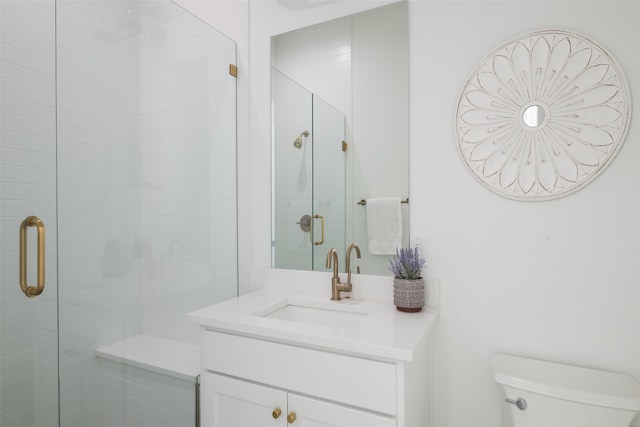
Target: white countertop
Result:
[384, 333]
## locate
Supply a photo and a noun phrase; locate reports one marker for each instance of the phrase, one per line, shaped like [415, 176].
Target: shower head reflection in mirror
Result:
[298, 141]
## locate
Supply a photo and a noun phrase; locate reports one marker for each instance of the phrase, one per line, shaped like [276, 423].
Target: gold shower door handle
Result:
[317, 216]
[31, 291]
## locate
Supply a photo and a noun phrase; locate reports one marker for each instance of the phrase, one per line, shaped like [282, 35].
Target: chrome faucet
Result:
[336, 285]
[357, 248]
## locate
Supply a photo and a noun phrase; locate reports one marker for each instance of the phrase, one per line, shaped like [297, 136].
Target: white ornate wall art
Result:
[542, 115]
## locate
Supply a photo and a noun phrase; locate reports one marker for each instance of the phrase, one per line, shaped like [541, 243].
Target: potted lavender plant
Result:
[408, 284]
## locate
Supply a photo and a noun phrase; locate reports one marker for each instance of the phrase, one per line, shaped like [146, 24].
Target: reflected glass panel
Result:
[292, 180]
[329, 178]
[309, 178]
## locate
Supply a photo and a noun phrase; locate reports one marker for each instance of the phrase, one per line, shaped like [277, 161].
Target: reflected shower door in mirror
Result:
[359, 65]
[309, 204]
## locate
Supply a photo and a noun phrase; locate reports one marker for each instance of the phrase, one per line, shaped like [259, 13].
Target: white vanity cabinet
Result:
[246, 379]
[229, 402]
[358, 362]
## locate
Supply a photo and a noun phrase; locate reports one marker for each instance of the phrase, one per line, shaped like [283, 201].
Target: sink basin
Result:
[334, 317]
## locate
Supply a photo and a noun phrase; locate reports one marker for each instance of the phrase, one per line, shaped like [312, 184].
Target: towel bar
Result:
[364, 202]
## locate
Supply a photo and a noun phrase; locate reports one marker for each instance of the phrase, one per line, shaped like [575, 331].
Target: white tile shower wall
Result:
[28, 356]
[98, 155]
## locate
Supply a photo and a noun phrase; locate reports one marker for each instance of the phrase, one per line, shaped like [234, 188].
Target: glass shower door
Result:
[329, 179]
[28, 210]
[292, 179]
[117, 183]
[147, 203]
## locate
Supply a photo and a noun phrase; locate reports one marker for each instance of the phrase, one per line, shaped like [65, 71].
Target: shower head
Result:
[298, 141]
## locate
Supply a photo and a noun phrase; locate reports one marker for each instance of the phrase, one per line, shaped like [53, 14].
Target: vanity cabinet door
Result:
[226, 402]
[317, 413]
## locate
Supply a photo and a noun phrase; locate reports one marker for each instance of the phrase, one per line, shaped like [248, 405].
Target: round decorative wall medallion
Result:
[542, 115]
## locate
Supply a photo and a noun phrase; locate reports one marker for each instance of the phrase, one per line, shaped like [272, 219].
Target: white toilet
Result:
[544, 394]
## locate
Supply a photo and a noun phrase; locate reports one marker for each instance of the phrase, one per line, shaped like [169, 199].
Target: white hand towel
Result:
[384, 225]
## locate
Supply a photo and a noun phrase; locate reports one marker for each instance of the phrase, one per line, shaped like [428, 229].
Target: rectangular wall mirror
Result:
[339, 126]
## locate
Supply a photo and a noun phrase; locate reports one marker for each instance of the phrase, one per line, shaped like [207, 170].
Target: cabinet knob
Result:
[291, 417]
[276, 413]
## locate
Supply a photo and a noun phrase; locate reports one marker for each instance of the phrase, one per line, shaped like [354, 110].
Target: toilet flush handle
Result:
[519, 402]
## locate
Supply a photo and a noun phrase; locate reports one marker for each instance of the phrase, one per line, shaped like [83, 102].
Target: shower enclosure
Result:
[309, 180]
[118, 202]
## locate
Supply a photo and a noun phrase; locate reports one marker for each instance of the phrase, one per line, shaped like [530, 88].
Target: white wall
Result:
[554, 280]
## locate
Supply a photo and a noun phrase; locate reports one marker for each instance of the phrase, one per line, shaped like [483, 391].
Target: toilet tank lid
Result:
[567, 382]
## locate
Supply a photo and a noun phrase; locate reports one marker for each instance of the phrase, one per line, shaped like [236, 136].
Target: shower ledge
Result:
[161, 355]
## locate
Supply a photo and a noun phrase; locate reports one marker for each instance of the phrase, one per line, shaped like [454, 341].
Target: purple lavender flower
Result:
[407, 263]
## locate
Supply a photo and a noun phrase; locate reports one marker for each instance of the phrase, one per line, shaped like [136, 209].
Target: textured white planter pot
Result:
[408, 294]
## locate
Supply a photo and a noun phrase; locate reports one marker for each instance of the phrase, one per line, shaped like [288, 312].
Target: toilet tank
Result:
[559, 395]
